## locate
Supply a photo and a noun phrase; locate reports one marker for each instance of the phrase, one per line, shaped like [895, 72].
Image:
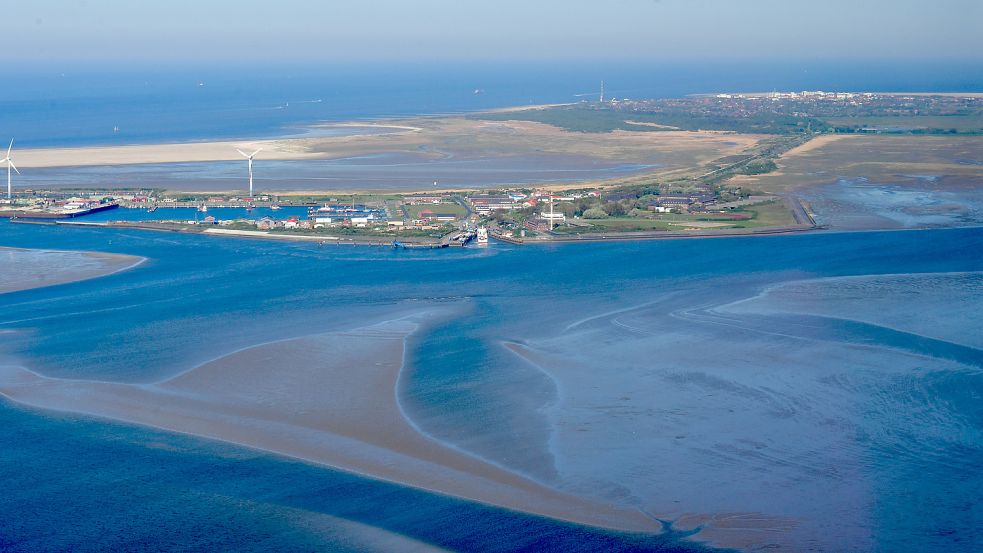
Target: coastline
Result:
[70, 266]
[388, 241]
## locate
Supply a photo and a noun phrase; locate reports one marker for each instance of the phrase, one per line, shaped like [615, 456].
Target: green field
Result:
[445, 207]
[770, 214]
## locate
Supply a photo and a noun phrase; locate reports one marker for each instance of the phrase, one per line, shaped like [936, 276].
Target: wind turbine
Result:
[10, 165]
[250, 158]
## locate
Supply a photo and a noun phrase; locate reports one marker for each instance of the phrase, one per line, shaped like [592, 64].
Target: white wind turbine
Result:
[250, 158]
[10, 165]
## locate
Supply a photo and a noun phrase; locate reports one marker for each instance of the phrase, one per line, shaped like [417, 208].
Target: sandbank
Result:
[26, 269]
[327, 398]
[429, 139]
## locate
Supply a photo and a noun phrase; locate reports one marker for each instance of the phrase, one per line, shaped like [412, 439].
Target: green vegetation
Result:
[971, 124]
[769, 214]
[413, 211]
[759, 167]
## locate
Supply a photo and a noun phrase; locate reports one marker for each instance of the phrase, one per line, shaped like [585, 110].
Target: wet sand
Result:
[160, 153]
[328, 398]
[27, 269]
[284, 149]
[450, 140]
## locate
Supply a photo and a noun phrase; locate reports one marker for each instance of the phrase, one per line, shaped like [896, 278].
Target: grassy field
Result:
[769, 214]
[445, 207]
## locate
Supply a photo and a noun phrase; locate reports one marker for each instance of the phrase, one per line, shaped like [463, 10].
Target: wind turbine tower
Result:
[250, 157]
[602, 91]
[10, 165]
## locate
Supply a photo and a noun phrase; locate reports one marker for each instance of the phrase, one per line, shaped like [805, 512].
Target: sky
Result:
[435, 30]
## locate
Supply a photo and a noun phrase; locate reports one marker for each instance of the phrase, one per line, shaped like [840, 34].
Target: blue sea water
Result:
[867, 434]
[80, 103]
[637, 384]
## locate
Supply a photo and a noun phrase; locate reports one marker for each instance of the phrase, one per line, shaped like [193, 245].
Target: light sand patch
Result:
[328, 398]
[161, 153]
[26, 269]
[653, 125]
[815, 144]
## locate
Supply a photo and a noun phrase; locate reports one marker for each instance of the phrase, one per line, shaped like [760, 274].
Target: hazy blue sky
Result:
[500, 29]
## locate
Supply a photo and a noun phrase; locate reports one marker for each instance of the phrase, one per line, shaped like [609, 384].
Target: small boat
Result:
[202, 208]
[275, 207]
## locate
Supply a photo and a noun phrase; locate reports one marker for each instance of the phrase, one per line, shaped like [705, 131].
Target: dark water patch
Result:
[151, 490]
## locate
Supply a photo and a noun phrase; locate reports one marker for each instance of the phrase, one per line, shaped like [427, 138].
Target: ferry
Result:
[482, 235]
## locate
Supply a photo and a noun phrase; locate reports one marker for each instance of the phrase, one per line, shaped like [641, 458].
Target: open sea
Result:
[78, 103]
[830, 383]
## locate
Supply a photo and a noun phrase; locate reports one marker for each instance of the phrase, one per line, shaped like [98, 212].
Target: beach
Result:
[26, 269]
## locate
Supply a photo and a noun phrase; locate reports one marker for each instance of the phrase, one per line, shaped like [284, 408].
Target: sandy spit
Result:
[329, 399]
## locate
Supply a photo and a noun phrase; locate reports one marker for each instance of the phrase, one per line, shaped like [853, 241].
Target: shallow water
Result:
[631, 372]
[860, 204]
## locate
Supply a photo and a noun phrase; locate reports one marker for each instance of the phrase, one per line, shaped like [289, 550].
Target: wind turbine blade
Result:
[10, 147]
[12, 165]
[243, 154]
[256, 152]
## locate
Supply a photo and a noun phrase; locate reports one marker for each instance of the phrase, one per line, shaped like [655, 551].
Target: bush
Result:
[759, 167]
[595, 213]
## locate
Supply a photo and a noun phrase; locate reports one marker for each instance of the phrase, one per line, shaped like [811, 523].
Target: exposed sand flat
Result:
[160, 153]
[328, 398]
[433, 139]
[816, 143]
[26, 269]
[283, 149]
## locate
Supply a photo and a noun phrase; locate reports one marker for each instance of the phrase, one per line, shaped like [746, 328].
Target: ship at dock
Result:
[59, 211]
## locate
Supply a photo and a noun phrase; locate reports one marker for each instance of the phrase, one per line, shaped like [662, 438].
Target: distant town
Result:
[712, 198]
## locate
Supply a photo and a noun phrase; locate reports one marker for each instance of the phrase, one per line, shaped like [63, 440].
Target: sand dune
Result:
[328, 398]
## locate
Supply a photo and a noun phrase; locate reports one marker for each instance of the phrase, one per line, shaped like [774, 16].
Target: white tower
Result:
[250, 157]
[10, 165]
[602, 91]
